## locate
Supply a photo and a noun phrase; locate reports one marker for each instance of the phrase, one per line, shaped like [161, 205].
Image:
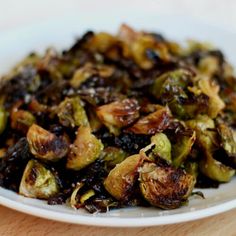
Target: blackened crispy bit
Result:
[84, 116]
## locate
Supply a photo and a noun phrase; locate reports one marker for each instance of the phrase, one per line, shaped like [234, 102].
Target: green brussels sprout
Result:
[118, 114]
[228, 142]
[3, 119]
[164, 186]
[85, 149]
[45, 145]
[38, 182]
[172, 89]
[120, 181]
[21, 120]
[182, 148]
[152, 123]
[211, 89]
[206, 138]
[71, 113]
[162, 146]
[113, 156]
[211, 167]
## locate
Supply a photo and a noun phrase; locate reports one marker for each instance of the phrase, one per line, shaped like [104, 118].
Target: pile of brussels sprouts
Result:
[131, 119]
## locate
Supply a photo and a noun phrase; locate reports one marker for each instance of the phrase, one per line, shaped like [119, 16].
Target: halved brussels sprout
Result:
[162, 146]
[208, 165]
[113, 156]
[140, 46]
[171, 84]
[45, 145]
[207, 141]
[21, 120]
[85, 149]
[228, 139]
[211, 89]
[3, 119]
[118, 114]
[152, 123]
[71, 113]
[164, 186]
[120, 181]
[38, 182]
[182, 148]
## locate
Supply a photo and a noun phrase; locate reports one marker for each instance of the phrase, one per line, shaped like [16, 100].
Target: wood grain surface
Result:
[15, 223]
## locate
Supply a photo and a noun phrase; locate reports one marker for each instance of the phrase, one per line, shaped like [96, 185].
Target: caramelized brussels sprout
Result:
[207, 141]
[171, 84]
[228, 140]
[3, 119]
[21, 120]
[113, 156]
[38, 182]
[45, 145]
[211, 89]
[162, 146]
[120, 181]
[211, 167]
[152, 123]
[85, 149]
[182, 148]
[164, 186]
[71, 113]
[118, 114]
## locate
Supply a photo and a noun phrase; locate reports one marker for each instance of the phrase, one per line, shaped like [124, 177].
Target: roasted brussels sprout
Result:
[71, 113]
[155, 122]
[120, 181]
[85, 149]
[45, 145]
[118, 114]
[182, 148]
[21, 120]
[38, 182]
[164, 186]
[3, 119]
[211, 89]
[162, 146]
[228, 142]
[207, 141]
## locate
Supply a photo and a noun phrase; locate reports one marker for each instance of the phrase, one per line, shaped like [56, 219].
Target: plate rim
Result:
[117, 221]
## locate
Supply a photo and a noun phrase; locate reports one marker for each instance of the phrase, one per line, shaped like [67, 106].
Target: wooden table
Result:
[15, 223]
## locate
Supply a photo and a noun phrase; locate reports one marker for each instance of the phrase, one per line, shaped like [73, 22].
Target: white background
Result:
[17, 13]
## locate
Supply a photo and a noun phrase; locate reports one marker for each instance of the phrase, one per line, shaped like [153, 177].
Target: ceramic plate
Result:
[61, 34]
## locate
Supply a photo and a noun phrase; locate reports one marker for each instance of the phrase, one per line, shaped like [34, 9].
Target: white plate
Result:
[61, 33]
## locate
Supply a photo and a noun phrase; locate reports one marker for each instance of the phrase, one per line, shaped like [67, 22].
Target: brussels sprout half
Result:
[164, 186]
[71, 113]
[120, 181]
[118, 114]
[207, 141]
[46, 145]
[152, 123]
[85, 149]
[38, 182]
